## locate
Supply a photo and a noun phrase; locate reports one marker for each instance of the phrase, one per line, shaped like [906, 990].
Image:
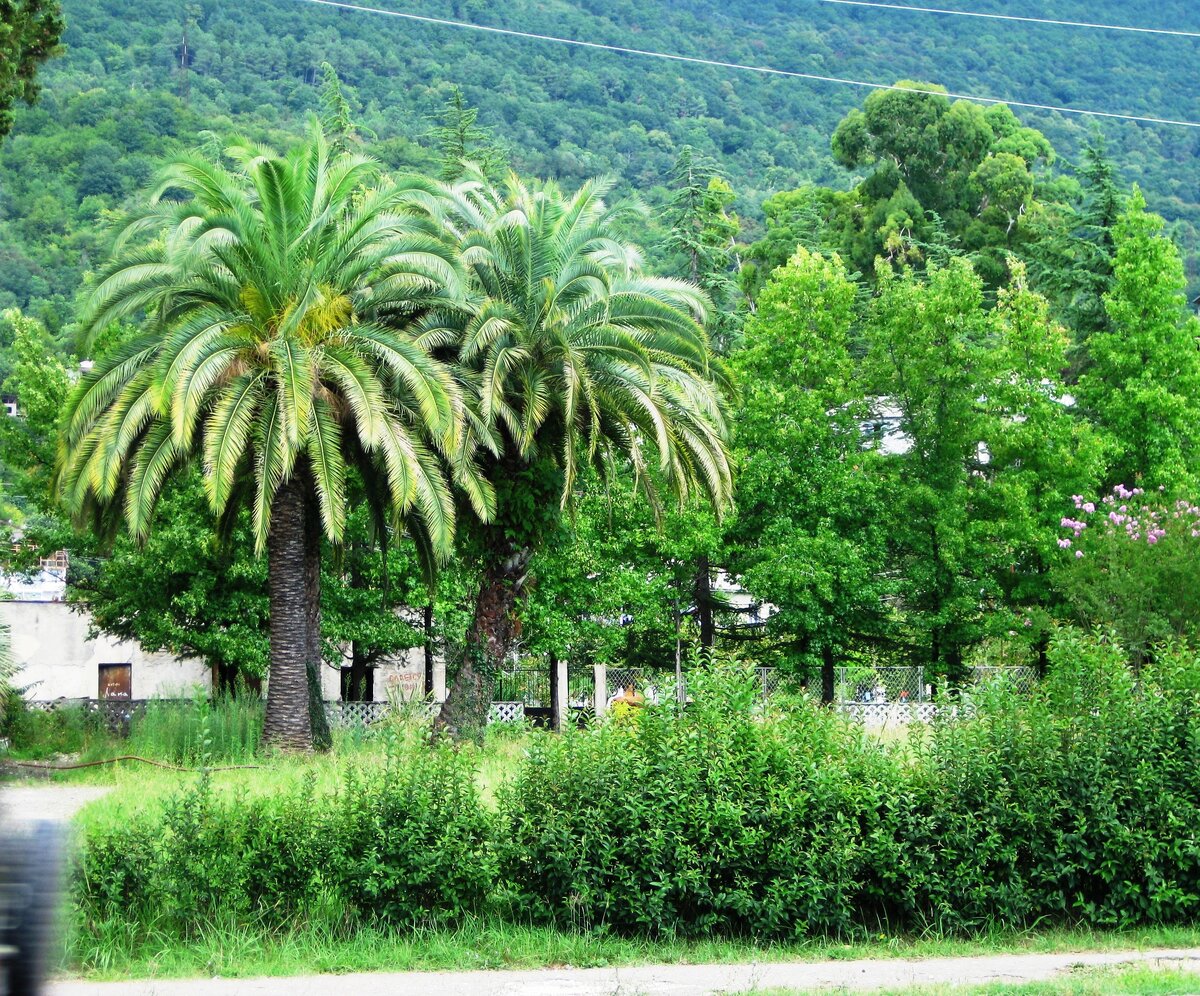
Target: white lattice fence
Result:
[507, 712]
[355, 713]
[889, 713]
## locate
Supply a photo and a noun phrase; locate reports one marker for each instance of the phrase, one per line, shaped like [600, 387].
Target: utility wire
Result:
[767, 70]
[1014, 17]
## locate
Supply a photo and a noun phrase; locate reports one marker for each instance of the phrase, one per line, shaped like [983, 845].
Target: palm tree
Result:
[574, 357]
[277, 292]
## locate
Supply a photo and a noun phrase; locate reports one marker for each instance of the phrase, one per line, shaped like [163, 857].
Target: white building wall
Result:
[399, 678]
[50, 645]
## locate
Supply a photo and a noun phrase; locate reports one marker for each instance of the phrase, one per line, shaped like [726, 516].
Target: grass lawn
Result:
[496, 944]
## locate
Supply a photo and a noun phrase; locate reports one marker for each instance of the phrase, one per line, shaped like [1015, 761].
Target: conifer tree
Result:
[1142, 382]
[459, 141]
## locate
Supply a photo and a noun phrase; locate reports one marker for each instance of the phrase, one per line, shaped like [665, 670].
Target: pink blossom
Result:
[1078, 554]
[1064, 544]
[1089, 507]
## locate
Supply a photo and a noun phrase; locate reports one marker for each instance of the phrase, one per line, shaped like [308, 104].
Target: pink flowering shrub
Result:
[1128, 564]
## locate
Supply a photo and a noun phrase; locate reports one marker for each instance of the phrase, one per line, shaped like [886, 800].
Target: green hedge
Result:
[1079, 804]
[407, 842]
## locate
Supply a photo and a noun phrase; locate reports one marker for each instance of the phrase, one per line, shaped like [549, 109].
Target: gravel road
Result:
[662, 980]
[28, 803]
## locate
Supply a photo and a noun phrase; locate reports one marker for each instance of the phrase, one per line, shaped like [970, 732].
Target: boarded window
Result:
[116, 681]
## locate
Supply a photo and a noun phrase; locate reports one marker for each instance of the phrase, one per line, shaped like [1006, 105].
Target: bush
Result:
[406, 844]
[1079, 804]
[37, 733]
[713, 820]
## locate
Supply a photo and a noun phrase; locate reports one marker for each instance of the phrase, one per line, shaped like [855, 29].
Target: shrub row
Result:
[1079, 804]
[405, 842]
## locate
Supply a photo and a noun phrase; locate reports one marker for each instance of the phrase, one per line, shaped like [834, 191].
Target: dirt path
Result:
[662, 980]
[29, 803]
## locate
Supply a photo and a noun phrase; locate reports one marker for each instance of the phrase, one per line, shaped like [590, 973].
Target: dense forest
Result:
[909, 346]
[130, 89]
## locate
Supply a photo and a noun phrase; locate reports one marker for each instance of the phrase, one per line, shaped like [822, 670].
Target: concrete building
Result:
[58, 659]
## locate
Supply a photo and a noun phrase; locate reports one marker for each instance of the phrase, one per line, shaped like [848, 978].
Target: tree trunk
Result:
[428, 650]
[827, 675]
[464, 714]
[288, 724]
[321, 738]
[224, 679]
[704, 603]
[229, 679]
[955, 672]
[360, 682]
[935, 659]
[557, 716]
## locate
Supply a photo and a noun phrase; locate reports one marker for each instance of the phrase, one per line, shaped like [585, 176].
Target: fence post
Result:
[439, 678]
[600, 673]
[559, 699]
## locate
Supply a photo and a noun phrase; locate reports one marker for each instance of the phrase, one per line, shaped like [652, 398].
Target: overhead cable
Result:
[1016, 17]
[720, 64]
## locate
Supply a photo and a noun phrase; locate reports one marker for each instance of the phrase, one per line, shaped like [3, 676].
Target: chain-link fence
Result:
[880, 685]
[1019, 679]
[652, 684]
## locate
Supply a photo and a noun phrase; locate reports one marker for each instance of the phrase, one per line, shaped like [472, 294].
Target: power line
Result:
[1014, 17]
[719, 64]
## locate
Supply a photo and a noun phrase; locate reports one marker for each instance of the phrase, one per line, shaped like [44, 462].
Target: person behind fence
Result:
[626, 702]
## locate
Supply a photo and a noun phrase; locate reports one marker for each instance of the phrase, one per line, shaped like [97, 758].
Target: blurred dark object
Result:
[30, 859]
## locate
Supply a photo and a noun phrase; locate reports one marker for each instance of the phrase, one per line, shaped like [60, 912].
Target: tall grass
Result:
[34, 734]
[191, 732]
[198, 732]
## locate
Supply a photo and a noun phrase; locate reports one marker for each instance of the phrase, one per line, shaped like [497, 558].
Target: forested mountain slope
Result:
[119, 98]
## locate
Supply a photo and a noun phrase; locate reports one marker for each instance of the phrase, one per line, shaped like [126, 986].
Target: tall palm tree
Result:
[574, 357]
[276, 294]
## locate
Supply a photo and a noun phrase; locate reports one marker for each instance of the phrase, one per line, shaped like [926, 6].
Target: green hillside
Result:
[119, 99]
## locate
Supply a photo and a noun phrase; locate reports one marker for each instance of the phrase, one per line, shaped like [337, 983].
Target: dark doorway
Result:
[358, 687]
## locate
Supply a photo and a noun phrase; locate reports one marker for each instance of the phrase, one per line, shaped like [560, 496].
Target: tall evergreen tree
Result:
[336, 119]
[1142, 379]
[703, 235]
[461, 141]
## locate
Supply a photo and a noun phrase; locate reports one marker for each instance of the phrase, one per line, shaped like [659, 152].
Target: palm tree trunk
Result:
[288, 724]
[465, 711]
[315, 660]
